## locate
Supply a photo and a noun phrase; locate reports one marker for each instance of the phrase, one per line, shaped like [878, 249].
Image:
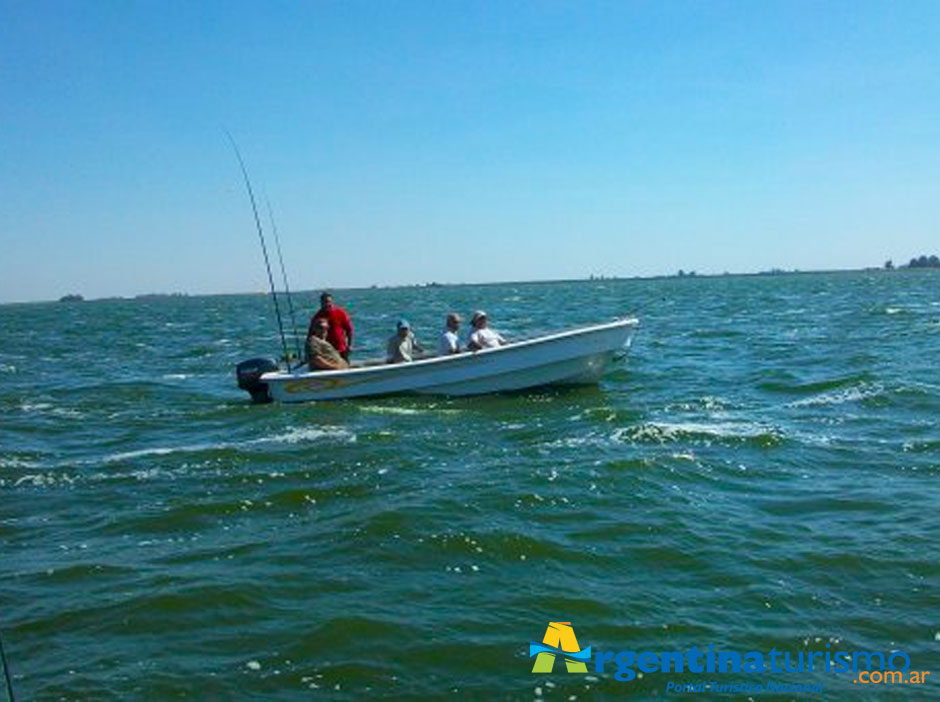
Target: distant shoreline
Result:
[692, 275]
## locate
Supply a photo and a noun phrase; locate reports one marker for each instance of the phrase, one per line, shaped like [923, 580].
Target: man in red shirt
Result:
[340, 333]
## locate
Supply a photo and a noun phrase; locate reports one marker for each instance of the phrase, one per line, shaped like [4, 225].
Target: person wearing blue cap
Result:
[403, 344]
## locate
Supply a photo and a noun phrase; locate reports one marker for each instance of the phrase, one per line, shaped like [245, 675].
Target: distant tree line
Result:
[924, 262]
[919, 262]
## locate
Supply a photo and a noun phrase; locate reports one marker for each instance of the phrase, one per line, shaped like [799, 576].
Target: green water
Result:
[763, 472]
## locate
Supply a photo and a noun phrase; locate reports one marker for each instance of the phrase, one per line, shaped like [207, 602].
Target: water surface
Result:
[763, 472]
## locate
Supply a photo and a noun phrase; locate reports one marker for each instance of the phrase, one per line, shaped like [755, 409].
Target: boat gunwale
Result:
[282, 376]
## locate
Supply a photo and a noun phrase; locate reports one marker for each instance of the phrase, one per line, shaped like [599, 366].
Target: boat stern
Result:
[248, 373]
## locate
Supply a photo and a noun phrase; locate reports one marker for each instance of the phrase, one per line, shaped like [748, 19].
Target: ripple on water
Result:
[792, 385]
[725, 433]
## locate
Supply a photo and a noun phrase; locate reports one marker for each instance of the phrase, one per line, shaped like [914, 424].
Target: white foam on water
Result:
[16, 462]
[576, 441]
[160, 451]
[44, 479]
[142, 474]
[405, 411]
[50, 409]
[293, 435]
[147, 474]
[176, 376]
[708, 402]
[838, 397]
[712, 403]
[35, 406]
[7, 368]
[664, 432]
[409, 411]
[297, 435]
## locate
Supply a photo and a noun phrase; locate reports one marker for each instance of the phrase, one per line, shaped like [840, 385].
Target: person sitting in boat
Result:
[449, 342]
[482, 336]
[321, 354]
[340, 328]
[403, 344]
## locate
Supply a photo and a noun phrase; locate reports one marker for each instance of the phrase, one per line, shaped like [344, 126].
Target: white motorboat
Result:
[578, 356]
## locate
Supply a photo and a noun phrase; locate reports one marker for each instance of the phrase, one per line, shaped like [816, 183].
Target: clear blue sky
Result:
[407, 142]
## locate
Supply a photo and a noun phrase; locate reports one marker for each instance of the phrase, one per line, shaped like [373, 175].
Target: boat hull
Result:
[580, 356]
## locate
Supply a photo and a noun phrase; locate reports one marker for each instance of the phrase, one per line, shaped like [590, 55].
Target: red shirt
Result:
[341, 328]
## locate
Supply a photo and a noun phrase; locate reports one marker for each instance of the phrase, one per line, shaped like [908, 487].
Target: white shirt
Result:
[485, 338]
[449, 343]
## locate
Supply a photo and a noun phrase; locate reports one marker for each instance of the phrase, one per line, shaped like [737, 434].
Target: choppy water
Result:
[764, 472]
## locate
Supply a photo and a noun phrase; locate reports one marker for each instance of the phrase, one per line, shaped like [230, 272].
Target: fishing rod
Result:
[290, 302]
[6, 672]
[264, 248]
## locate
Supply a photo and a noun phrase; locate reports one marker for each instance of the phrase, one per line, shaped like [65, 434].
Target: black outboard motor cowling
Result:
[249, 377]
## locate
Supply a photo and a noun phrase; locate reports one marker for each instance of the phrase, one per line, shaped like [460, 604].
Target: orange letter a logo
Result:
[559, 639]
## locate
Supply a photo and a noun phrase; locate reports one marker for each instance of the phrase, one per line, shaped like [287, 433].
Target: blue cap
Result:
[403, 324]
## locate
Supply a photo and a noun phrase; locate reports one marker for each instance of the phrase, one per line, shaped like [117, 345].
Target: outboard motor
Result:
[249, 377]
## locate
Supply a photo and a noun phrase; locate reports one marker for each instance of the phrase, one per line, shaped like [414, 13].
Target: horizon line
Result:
[680, 274]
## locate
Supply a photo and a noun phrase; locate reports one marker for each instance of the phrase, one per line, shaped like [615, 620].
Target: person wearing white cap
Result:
[449, 342]
[481, 336]
[403, 344]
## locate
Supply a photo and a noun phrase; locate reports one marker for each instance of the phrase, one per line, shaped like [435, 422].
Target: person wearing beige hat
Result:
[321, 354]
[482, 336]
